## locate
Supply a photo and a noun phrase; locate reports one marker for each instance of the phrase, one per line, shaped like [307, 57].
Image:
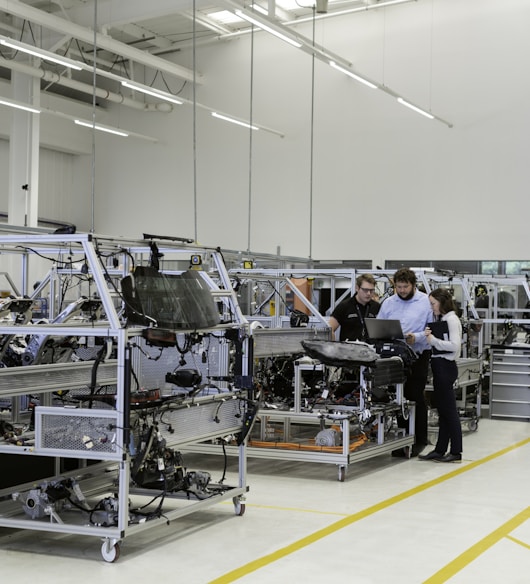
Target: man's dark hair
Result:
[405, 275]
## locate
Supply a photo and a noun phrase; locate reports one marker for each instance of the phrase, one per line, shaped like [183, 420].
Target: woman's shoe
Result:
[433, 455]
[450, 458]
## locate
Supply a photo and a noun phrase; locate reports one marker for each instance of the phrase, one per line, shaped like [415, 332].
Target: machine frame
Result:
[108, 477]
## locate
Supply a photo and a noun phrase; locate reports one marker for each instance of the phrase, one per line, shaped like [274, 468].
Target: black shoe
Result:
[450, 458]
[400, 453]
[433, 455]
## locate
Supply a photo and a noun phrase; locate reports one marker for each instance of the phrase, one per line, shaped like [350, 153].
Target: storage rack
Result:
[510, 383]
[100, 437]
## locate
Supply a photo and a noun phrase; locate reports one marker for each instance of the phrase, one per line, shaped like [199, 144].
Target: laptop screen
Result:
[381, 329]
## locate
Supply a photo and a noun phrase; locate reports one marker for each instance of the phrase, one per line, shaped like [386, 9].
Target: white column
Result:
[24, 153]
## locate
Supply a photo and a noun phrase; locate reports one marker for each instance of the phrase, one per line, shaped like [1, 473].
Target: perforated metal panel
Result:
[56, 376]
[276, 342]
[200, 422]
[91, 433]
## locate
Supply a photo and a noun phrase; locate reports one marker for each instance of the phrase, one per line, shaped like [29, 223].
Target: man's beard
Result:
[409, 296]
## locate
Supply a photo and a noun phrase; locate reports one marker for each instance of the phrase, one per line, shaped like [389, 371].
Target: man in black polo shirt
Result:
[351, 313]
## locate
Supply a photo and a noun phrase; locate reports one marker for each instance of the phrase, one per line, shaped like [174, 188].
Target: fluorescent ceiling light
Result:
[26, 108]
[224, 17]
[268, 28]
[89, 124]
[107, 129]
[150, 91]
[415, 108]
[41, 53]
[234, 121]
[353, 75]
[339, 12]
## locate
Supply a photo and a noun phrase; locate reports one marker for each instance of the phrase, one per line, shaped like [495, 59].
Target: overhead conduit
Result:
[55, 78]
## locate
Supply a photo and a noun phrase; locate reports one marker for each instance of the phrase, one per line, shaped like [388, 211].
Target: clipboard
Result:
[439, 329]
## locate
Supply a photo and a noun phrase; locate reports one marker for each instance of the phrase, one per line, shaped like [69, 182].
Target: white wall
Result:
[386, 182]
[64, 188]
[59, 187]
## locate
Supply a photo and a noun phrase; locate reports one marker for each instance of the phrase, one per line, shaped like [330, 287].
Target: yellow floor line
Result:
[350, 519]
[479, 548]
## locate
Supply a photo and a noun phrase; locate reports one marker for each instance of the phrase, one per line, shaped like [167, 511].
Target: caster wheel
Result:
[239, 507]
[110, 552]
[473, 425]
[342, 473]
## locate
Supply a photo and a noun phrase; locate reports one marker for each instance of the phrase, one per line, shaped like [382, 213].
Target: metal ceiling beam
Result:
[137, 32]
[125, 16]
[63, 26]
[117, 13]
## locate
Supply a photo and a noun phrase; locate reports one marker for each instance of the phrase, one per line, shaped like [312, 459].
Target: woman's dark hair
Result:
[445, 299]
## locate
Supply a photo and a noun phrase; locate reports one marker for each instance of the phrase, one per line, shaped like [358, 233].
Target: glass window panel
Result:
[489, 268]
[517, 268]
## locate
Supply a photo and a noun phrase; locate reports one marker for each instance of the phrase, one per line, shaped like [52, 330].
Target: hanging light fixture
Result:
[41, 53]
[234, 121]
[20, 106]
[304, 44]
[268, 27]
[153, 92]
[415, 108]
[353, 75]
[101, 128]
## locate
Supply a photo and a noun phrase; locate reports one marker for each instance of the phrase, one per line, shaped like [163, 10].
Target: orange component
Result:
[308, 446]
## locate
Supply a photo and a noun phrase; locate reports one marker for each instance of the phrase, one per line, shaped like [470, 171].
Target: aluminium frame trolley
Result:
[99, 385]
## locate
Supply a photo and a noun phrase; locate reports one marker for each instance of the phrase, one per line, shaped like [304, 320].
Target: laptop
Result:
[381, 329]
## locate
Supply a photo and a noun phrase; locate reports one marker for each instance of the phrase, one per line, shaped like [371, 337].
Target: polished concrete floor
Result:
[390, 521]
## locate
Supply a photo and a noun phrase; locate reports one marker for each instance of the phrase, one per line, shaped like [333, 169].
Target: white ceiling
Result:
[133, 33]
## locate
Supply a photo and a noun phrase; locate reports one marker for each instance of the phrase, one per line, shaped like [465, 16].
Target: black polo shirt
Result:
[350, 315]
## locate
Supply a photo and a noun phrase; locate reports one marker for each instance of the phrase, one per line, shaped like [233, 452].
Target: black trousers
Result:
[444, 375]
[414, 390]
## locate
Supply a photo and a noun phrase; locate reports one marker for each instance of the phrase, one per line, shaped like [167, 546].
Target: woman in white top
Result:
[445, 372]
